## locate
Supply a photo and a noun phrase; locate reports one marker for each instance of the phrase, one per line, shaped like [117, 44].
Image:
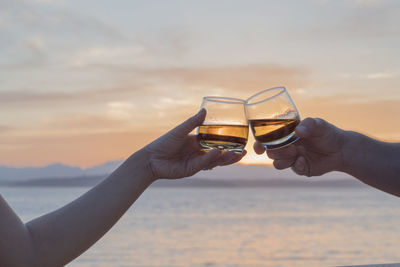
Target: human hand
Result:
[177, 154]
[318, 151]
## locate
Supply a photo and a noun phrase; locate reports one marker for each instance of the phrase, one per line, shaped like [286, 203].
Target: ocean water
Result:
[238, 227]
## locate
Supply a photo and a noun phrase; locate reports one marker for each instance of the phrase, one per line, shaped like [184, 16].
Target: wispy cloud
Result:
[31, 96]
[240, 80]
[85, 124]
[131, 55]
[26, 26]
[380, 75]
[37, 44]
[4, 129]
[366, 2]
[83, 139]
[348, 21]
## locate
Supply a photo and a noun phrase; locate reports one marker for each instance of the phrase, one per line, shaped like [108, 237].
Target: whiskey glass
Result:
[225, 126]
[272, 117]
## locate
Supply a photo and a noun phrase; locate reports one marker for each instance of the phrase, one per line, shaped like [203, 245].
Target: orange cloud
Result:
[232, 79]
[126, 116]
[85, 138]
[248, 78]
[4, 128]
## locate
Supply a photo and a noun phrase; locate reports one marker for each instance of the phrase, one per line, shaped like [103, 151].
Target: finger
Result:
[311, 127]
[258, 148]
[187, 126]
[227, 158]
[287, 152]
[205, 161]
[300, 166]
[281, 164]
[233, 158]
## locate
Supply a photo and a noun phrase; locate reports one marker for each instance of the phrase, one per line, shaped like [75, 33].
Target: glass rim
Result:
[226, 100]
[281, 89]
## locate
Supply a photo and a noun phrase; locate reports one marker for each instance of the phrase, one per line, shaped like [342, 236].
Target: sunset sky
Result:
[85, 82]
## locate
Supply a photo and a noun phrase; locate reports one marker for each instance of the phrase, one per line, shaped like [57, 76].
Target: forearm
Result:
[64, 234]
[372, 162]
[15, 242]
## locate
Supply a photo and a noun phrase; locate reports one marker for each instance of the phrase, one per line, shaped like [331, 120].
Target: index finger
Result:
[287, 152]
[258, 148]
[187, 126]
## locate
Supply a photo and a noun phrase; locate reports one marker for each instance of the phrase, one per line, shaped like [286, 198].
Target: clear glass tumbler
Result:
[273, 117]
[225, 126]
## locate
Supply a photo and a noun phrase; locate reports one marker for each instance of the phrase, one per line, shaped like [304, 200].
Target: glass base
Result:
[207, 146]
[281, 143]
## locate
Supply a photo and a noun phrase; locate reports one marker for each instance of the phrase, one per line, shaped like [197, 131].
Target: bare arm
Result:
[373, 162]
[324, 148]
[60, 236]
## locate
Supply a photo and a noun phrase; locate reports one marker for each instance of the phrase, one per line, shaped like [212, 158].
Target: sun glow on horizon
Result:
[253, 159]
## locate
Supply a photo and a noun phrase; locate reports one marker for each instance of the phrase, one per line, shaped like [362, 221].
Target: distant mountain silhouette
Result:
[54, 170]
[57, 170]
[236, 175]
[102, 169]
[232, 172]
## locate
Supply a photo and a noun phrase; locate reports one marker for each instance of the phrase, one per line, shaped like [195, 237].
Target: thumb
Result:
[311, 127]
[187, 126]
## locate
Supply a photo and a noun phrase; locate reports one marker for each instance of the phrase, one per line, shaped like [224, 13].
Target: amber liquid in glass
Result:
[223, 137]
[274, 133]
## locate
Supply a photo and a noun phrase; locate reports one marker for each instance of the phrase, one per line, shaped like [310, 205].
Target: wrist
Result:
[141, 160]
[352, 142]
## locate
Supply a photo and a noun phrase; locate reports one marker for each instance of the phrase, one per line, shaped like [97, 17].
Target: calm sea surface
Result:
[238, 227]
